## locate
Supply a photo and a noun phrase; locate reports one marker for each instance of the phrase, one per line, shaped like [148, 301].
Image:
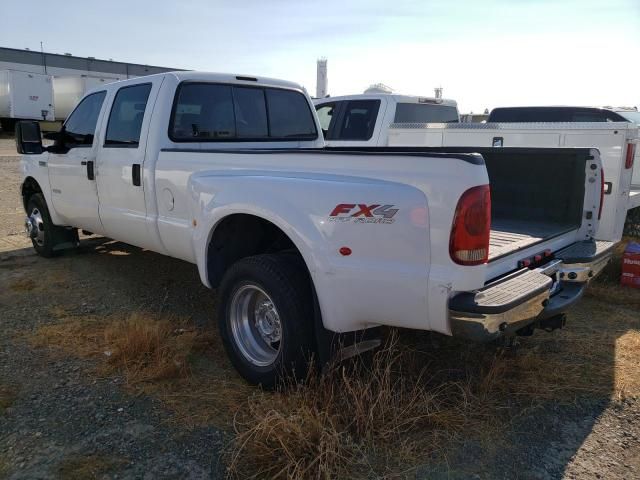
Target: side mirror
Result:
[28, 138]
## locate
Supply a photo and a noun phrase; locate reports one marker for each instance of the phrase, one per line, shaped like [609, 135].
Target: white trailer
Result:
[69, 89]
[24, 96]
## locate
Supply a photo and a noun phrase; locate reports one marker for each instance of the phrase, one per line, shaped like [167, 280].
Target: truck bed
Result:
[508, 236]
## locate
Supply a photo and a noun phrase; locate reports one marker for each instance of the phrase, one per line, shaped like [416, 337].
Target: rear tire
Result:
[265, 317]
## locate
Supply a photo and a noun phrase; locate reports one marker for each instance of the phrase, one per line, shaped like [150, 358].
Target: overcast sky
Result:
[484, 53]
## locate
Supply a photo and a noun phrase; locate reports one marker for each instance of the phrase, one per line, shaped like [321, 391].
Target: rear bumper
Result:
[527, 296]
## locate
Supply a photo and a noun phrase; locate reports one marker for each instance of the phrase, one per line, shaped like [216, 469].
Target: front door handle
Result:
[135, 174]
[90, 172]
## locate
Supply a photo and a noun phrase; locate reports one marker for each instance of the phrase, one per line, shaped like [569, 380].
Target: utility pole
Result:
[44, 58]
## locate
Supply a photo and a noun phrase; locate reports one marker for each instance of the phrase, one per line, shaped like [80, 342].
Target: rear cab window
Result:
[425, 113]
[204, 112]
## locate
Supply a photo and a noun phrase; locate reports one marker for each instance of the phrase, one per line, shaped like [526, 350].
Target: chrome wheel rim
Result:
[35, 226]
[255, 325]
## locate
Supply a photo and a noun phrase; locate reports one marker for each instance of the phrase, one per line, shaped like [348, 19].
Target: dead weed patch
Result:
[82, 467]
[7, 397]
[22, 285]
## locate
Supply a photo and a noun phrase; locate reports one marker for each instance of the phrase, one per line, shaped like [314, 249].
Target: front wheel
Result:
[39, 226]
[265, 317]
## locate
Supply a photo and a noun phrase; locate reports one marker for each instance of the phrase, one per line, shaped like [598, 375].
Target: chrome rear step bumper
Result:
[527, 296]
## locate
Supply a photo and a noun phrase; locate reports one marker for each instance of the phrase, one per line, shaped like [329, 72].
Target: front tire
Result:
[265, 317]
[43, 236]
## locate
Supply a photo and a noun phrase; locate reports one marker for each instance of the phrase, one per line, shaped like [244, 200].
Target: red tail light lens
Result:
[631, 151]
[469, 242]
[601, 193]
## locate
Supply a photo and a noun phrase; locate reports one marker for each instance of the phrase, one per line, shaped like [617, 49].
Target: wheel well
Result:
[29, 187]
[239, 236]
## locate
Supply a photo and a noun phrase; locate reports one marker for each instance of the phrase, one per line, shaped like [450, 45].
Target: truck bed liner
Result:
[508, 236]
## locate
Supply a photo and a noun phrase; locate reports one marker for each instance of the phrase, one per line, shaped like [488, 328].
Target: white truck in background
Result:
[363, 120]
[68, 90]
[616, 141]
[24, 96]
[302, 243]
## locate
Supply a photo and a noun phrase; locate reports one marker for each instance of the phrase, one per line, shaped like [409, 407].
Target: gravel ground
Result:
[59, 419]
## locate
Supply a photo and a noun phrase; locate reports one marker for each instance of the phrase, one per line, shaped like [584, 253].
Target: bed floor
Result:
[509, 235]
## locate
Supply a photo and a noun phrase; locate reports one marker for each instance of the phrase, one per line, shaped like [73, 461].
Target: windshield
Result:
[425, 113]
[631, 116]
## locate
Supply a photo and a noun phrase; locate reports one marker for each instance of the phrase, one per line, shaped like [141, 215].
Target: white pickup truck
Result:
[363, 120]
[230, 173]
[615, 140]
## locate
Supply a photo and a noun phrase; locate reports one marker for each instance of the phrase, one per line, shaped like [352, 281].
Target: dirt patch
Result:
[83, 467]
[23, 285]
[7, 397]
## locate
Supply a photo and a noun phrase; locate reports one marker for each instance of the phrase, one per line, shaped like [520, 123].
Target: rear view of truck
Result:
[545, 208]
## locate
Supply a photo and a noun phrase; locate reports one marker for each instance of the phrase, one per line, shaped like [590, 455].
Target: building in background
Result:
[66, 64]
[46, 86]
[322, 81]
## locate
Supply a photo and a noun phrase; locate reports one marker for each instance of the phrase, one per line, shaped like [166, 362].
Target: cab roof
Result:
[394, 97]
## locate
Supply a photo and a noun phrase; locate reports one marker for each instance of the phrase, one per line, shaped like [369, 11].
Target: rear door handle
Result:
[135, 174]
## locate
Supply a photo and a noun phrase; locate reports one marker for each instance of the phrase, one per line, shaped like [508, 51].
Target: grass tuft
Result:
[147, 349]
[142, 347]
[7, 397]
[373, 416]
[23, 285]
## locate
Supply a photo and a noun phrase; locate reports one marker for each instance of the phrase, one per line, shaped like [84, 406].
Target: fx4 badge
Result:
[363, 213]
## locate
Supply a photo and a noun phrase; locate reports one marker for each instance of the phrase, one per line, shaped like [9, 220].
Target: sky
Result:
[484, 53]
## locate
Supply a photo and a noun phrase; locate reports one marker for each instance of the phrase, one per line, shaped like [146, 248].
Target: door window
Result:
[80, 127]
[127, 113]
[359, 120]
[325, 115]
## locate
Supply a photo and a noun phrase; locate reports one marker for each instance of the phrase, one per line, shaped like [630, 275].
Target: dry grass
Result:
[84, 467]
[422, 393]
[380, 415]
[7, 397]
[157, 354]
[367, 418]
[4, 467]
[22, 285]
[140, 346]
[147, 350]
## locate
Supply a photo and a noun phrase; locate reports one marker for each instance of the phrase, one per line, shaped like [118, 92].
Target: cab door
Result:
[121, 160]
[71, 164]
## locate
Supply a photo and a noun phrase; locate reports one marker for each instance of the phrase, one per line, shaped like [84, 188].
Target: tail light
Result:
[601, 193]
[469, 242]
[631, 150]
